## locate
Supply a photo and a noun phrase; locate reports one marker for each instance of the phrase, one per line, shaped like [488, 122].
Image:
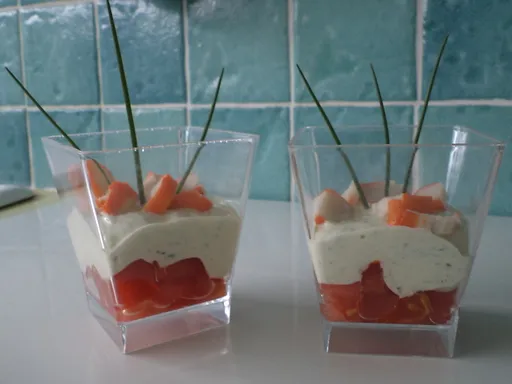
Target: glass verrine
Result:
[390, 274]
[158, 268]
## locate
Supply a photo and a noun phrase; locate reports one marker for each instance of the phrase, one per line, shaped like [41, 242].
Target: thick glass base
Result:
[391, 339]
[162, 328]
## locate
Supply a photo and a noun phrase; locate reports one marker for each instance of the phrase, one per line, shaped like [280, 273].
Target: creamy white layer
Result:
[177, 235]
[412, 259]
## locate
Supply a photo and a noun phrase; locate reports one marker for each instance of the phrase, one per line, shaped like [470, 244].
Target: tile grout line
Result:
[355, 103]
[48, 4]
[415, 116]
[291, 109]
[258, 105]
[419, 60]
[186, 64]
[419, 49]
[99, 68]
[419, 41]
[24, 81]
[10, 8]
[291, 61]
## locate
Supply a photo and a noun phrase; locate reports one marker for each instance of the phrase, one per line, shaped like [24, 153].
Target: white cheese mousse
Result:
[412, 259]
[176, 235]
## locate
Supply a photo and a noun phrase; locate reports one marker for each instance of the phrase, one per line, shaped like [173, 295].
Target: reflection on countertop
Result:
[42, 197]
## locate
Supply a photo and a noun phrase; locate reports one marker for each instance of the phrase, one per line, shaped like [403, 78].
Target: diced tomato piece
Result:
[415, 203]
[352, 315]
[407, 210]
[133, 292]
[219, 290]
[403, 218]
[414, 309]
[339, 301]
[395, 210]
[372, 301]
[185, 269]
[143, 289]
[332, 312]
[186, 279]
[422, 204]
[319, 220]
[373, 191]
[191, 199]
[376, 300]
[99, 180]
[409, 219]
[104, 288]
[99, 177]
[150, 308]
[197, 288]
[120, 198]
[200, 189]
[442, 304]
[135, 283]
[150, 182]
[137, 270]
[161, 195]
[434, 190]
[346, 293]
[331, 206]
[143, 281]
[215, 289]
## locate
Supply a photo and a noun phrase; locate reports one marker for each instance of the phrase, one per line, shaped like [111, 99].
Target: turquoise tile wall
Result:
[60, 67]
[249, 38]
[152, 42]
[174, 50]
[271, 172]
[336, 40]
[81, 121]
[10, 94]
[479, 60]
[14, 148]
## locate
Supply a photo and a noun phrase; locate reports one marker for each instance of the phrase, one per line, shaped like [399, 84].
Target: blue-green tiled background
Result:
[174, 50]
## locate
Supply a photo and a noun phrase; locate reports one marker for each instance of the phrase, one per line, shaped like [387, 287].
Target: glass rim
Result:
[292, 145]
[250, 138]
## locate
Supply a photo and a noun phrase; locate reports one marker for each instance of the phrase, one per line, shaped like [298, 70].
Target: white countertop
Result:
[48, 336]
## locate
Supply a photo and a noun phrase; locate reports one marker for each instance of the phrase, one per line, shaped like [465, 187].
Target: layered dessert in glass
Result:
[392, 261]
[168, 255]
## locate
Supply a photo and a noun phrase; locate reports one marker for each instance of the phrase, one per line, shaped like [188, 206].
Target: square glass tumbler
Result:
[157, 263]
[391, 257]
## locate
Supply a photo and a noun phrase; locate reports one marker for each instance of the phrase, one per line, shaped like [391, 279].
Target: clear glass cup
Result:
[390, 277]
[159, 269]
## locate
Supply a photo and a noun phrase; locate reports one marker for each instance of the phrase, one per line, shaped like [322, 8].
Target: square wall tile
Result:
[369, 164]
[152, 47]
[114, 119]
[271, 171]
[14, 160]
[60, 54]
[343, 116]
[335, 42]
[249, 38]
[72, 122]
[10, 94]
[477, 62]
[490, 121]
